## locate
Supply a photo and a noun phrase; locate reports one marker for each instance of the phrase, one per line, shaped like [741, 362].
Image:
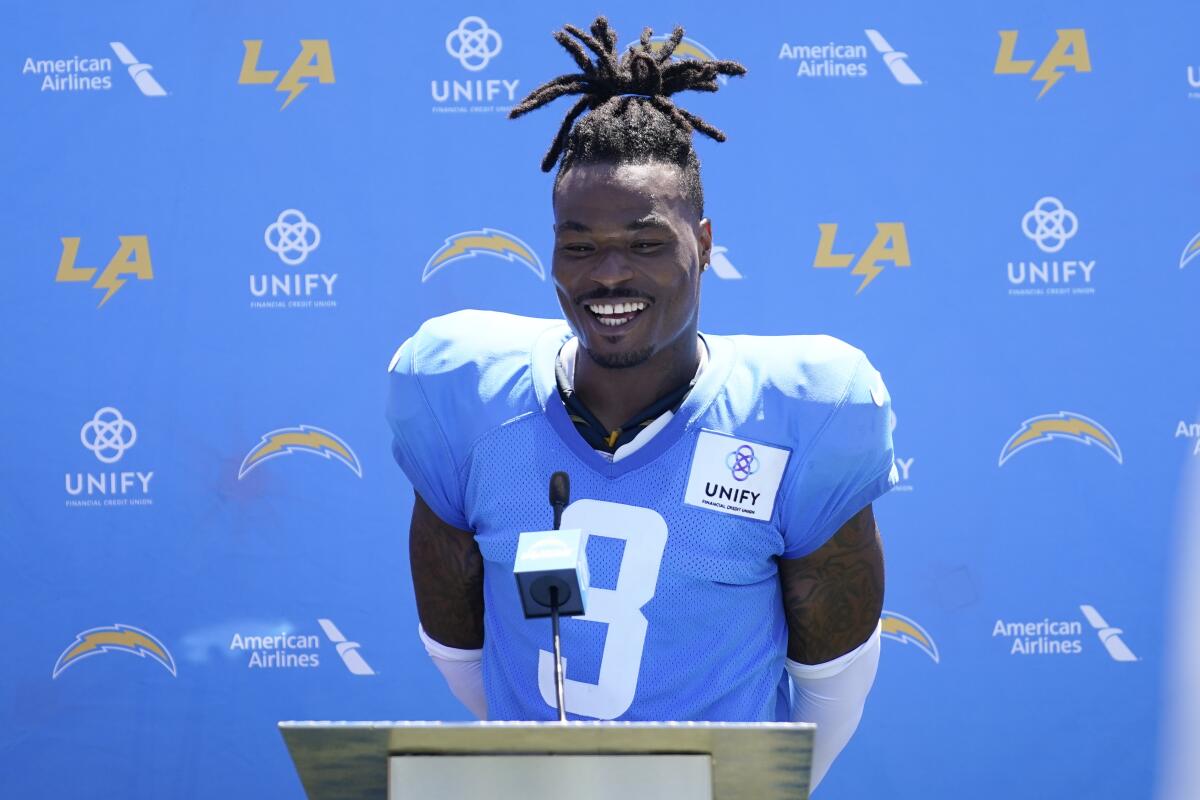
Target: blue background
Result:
[204, 170]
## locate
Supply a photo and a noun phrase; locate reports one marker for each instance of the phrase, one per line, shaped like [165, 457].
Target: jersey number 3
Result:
[644, 532]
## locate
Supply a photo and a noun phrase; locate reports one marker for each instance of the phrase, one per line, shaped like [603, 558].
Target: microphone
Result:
[552, 575]
[560, 495]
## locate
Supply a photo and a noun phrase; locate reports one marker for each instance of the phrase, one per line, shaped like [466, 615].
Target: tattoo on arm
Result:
[447, 573]
[833, 597]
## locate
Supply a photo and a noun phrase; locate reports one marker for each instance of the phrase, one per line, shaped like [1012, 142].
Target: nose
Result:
[611, 269]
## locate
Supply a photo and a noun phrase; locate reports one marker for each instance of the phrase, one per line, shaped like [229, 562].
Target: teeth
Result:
[617, 308]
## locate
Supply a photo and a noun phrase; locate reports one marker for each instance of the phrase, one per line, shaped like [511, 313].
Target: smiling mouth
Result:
[615, 314]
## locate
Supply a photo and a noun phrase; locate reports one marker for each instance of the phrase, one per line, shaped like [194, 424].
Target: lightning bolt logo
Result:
[114, 639]
[1191, 252]
[301, 439]
[900, 628]
[868, 270]
[687, 48]
[488, 241]
[1063, 425]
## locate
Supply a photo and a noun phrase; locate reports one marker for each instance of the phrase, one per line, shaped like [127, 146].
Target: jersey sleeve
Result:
[419, 442]
[848, 465]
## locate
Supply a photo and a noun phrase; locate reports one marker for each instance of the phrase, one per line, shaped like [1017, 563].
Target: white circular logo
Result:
[292, 237]
[1049, 224]
[108, 435]
[473, 43]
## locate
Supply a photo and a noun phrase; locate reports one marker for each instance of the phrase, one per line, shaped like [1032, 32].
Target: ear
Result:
[705, 239]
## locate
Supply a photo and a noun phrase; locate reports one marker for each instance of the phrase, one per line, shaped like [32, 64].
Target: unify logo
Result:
[1063, 425]
[108, 435]
[734, 476]
[487, 242]
[301, 439]
[836, 60]
[903, 465]
[114, 639]
[889, 244]
[1193, 79]
[132, 258]
[1186, 430]
[1191, 252]
[1061, 636]
[313, 63]
[288, 650]
[1050, 225]
[473, 44]
[1070, 51]
[907, 630]
[292, 237]
[80, 74]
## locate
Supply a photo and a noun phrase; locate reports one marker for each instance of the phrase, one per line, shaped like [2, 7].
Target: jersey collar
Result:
[712, 378]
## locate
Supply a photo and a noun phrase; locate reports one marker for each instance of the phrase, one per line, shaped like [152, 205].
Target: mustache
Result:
[613, 294]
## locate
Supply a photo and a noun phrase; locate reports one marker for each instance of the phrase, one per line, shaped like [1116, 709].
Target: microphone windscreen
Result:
[560, 489]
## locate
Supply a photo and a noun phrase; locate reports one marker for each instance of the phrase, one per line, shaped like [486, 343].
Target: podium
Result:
[581, 760]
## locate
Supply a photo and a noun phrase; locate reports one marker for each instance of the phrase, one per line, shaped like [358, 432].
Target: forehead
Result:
[614, 194]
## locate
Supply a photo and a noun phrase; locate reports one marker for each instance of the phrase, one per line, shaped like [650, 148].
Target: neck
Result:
[615, 395]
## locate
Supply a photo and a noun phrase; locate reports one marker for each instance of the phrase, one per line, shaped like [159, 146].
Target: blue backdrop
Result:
[222, 218]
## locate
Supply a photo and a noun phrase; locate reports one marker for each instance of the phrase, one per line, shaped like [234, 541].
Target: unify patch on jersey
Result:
[735, 476]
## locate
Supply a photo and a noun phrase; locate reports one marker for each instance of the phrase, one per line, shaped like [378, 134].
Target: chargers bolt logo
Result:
[473, 43]
[488, 242]
[900, 628]
[114, 639]
[301, 439]
[292, 237]
[1063, 425]
[108, 435]
[742, 462]
[1191, 252]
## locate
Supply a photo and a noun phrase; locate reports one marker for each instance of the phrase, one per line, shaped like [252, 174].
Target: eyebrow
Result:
[648, 221]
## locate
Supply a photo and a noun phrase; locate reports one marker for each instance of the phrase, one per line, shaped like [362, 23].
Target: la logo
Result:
[314, 61]
[1070, 50]
[132, 258]
[890, 244]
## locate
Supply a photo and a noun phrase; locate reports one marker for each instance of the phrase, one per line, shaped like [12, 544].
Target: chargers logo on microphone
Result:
[1063, 425]
[900, 628]
[114, 638]
[301, 439]
[488, 242]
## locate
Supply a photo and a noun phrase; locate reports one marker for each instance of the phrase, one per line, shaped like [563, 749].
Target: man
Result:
[726, 482]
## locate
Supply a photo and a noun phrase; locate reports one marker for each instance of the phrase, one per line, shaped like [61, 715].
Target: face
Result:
[627, 256]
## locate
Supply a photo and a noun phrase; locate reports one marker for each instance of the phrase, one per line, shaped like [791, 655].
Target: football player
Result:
[726, 482]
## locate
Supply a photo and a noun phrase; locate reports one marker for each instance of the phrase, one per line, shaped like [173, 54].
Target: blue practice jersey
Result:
[779, 443]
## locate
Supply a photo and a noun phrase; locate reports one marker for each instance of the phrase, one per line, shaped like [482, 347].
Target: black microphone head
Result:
[560, 489]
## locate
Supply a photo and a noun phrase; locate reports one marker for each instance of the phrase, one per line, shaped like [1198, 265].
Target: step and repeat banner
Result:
[222, 218]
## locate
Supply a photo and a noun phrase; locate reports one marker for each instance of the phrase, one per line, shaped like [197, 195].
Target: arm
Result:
[447, 573]
[833, 598]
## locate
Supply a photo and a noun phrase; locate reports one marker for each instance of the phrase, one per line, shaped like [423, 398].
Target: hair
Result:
[629, 116]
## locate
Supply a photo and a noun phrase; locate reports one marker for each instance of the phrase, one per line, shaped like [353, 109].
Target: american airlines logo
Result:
[849, 59]
[1062, 636]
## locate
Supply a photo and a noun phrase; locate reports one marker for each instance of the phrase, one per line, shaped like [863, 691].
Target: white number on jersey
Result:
[644, 532]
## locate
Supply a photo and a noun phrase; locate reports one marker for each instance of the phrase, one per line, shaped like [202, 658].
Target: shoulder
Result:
[793, 387]
[469, 371]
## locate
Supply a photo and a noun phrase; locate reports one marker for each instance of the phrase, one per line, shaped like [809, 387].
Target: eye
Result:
[645, 246]
[576, 248]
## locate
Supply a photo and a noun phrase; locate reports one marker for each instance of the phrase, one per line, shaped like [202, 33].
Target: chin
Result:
[623, 359]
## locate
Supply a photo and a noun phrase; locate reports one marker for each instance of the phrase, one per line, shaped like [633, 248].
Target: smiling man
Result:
[726, 482]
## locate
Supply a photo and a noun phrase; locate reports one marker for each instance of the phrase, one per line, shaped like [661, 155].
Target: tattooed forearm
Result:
[833, 597]
[447, 573]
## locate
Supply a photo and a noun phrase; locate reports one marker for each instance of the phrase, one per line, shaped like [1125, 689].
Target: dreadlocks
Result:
[630, 118]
